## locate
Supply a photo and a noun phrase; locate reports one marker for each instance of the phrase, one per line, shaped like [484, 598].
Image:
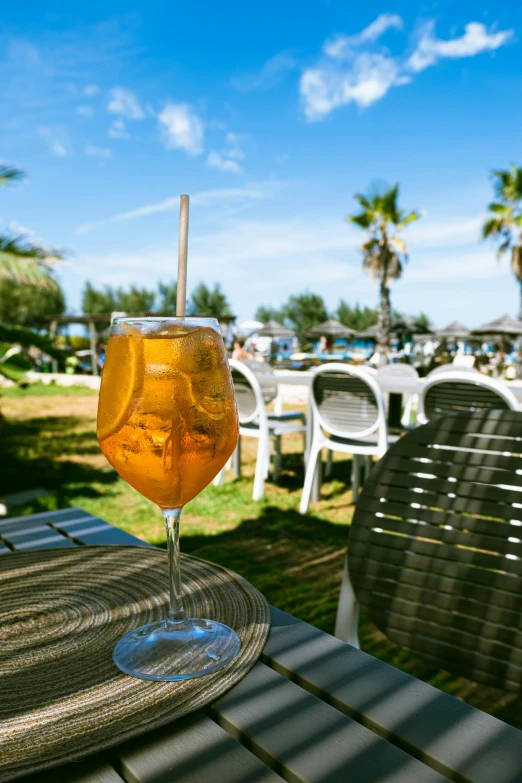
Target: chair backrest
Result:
[347, 401]
[445, 368]
[268, 387]
[435, 549]
[248, 393]
[400, 370]
[454, 392]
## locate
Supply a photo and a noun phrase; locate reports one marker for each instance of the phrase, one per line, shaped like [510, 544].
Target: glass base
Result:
[176, 651]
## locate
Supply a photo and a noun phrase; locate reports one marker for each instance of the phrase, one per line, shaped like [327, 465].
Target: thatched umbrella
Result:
[371, 333]
[454, 331]
[275, 330]
[331, 328]
[408, 325]
[500, 327]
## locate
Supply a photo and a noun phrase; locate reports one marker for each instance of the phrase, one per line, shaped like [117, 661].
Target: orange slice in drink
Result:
[121, 383]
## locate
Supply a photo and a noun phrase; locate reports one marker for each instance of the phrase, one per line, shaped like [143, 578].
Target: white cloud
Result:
[56, 140]
[203, 198]
[476, 39]
[352, 71]
[85, 111]
[58, 149]
[235, 153]
[216, 161]
[124, 102]
[98, 152]
[118, 130]
[91, 89]
[232, 138]
[341, 45]
[181, 128]
[368, 79]
[270, 74]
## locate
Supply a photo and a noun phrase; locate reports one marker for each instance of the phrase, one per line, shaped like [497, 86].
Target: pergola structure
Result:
[92, 319]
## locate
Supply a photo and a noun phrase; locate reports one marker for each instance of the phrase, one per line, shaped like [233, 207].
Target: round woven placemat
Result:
[61, 613]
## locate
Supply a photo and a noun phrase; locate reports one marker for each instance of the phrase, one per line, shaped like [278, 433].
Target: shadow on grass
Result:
[49, 453]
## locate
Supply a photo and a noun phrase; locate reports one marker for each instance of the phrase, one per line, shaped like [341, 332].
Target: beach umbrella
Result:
[371, 333]
[275, 330]
[408, 325]
[455, 330]
[250, 326]
[500, 327]
[331, 328]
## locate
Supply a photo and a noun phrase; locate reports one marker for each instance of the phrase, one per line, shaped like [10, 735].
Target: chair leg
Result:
[219, 479]
[236, 459]
[367, 466]
[277, 457]
[356, 476]
[311, 468]
[328, 468]
[261, 462]
[347, 611]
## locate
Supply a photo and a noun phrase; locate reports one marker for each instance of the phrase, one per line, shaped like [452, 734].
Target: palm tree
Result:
[24, 262]
[383, 252]
[505, 222]
[20, 259]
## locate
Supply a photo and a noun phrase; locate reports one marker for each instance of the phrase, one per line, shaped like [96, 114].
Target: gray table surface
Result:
[312, 710]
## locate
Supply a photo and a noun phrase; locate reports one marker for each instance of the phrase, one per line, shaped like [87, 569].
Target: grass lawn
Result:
[45, 390]
[295, 561]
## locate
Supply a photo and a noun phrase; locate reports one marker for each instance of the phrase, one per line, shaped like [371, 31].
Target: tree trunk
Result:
[520, 300]
[384, 317]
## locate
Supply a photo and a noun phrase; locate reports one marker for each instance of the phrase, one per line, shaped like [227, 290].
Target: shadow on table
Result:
[296, 562]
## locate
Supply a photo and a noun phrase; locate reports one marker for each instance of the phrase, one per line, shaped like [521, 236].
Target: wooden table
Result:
[312, 710]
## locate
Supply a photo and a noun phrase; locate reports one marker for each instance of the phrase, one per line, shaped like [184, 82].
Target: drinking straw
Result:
[181, 297]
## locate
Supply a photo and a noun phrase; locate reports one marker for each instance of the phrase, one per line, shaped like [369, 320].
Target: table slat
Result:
[306, 740]
[191, 750]
[88, 529]
[90, 770]
[460, 741]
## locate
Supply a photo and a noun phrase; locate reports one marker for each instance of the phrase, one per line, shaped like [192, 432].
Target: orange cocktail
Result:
[167, 418]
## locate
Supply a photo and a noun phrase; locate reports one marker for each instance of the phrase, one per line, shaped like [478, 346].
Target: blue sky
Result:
[270, 116]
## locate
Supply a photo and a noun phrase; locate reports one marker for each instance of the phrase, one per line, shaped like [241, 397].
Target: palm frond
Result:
[389, 204]
[499, 208]
[399, 245]
[364, 219]
[503, 247]
[18, 335]
[9, 174]
[508, 184]
[363, 201]
[24, 269]
[409, 218]
[492, 227]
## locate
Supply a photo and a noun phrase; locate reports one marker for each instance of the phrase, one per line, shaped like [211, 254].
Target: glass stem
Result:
[176, 614]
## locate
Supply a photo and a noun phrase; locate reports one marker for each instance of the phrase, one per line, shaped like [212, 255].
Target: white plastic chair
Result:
[272, 392]
[401, 370]
[347, 406]
[255, 422]
[462, 390]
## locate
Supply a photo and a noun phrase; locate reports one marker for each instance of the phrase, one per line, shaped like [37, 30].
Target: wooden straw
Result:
[181, 297]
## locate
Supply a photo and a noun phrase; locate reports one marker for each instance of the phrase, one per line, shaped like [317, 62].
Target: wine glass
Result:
[167, 422]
